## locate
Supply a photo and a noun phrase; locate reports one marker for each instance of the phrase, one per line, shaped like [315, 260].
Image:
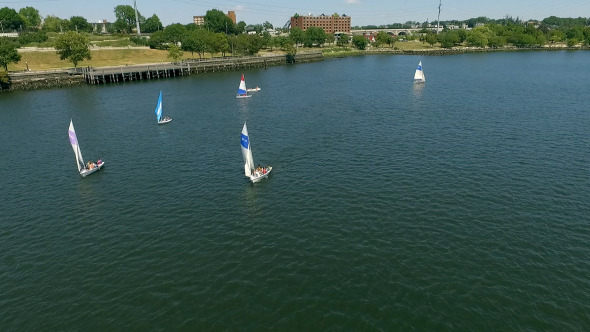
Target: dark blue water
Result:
[460, 204]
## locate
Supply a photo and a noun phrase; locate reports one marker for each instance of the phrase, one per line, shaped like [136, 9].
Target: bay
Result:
[460, 204]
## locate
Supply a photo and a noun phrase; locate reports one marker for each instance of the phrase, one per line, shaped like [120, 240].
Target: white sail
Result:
[419, 75]
[247, 152]
[75, 146]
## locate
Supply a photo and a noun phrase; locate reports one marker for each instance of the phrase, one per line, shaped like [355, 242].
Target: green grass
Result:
[101, 58]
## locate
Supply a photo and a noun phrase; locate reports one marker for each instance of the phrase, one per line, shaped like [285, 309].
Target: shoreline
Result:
[33, 80]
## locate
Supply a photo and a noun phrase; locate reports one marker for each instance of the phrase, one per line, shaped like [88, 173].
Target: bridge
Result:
[397, 32]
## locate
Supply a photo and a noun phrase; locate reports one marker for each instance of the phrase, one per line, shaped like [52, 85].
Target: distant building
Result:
[231, 14]
[100, 26]
[330, 24]
[200, 20]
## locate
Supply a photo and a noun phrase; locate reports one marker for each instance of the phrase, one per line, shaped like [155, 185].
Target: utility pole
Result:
[136, 17]
[438, 19]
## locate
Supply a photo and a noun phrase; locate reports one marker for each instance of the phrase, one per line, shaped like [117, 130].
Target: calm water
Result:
[461, 204]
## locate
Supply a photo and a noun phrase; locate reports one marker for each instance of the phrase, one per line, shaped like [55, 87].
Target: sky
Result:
[278, 12]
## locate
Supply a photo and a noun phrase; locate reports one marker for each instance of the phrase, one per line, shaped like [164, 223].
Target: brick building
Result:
[330, 24]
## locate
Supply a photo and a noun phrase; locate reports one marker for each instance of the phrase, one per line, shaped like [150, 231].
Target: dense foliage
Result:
[496, 35]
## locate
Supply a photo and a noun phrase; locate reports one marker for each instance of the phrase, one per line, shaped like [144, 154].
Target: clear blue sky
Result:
[278, 12]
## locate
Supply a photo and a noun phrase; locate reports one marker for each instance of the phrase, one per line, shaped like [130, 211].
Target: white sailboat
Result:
[84, 169]
[254, 174]
[242, 91]
[419, 75]
[159, 118]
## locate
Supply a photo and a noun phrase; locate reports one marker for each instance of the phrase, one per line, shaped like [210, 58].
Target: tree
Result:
[343, 40]
[152, 24]
[10, 19]
[291, 52]
[73, 46]
[174, 33]
[8, 53]
[316, 35]
[360, 42]
[174, 52]
[266, 39]
[241, 27]
[157, 40]
[196, 41]
[267, 26]
[330, 38]
[496, 42]
[218, 43]
[297, 35]
[382, 38]
[217, 21]
[31, 17]
[556, 36]
[248, 44]
[477, 38]
[125, 15]
[55, 24]
[258, 28]
[431, 39]
[79, 23]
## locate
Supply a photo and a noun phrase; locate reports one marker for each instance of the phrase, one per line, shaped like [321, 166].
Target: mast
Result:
[437, 20]
[137, 19]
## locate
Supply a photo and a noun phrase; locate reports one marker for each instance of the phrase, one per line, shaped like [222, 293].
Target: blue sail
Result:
[245, 142]
[159, 108]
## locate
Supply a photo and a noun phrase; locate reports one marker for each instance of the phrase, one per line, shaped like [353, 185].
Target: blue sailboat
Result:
[255, 174]
[161, 120]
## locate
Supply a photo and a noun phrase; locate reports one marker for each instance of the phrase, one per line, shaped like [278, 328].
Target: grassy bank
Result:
[100, 58]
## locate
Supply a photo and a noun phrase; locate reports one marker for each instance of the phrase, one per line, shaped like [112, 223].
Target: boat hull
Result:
[243, 96]
[86, 172]
[255, 178]
[164, 121]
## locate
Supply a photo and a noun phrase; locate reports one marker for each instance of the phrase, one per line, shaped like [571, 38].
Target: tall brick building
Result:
[330, 24]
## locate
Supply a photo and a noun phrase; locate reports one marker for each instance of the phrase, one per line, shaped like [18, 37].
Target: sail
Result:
[75, 146]
[247, 152]
[159, 108]
[419, 75]
[242, 88]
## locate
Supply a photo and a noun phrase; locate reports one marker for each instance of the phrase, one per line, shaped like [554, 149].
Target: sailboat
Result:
[90, 166]
[254, 174]
[242, 92]
[161, 120]
[419, 75]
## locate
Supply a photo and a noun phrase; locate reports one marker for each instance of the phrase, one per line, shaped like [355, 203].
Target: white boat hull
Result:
[419, 81]
[164, 121]
[257, 176]
[86, 172]
[243, 96]
[253, 90]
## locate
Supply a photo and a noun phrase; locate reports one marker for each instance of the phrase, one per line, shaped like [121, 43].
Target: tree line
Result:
[495, 36]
